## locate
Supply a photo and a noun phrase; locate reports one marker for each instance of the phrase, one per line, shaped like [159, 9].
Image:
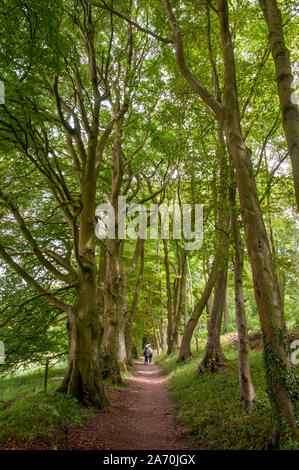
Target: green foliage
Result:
[275, 366]
[27, 412]
[25, 382]
[40, 414]
[210, 407]
[41, 39]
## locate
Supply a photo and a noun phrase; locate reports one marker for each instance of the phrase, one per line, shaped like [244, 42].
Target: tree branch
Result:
[32, 283]
[106, 7]
[32, 242]
[203, 93]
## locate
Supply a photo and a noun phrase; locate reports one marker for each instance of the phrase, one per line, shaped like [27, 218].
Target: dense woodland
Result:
[160, 101]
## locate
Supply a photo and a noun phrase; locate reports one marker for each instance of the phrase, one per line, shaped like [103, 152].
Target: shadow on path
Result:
[144, 413]
[140, 417]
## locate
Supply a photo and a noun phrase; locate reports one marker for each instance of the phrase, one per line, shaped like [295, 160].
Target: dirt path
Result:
[145, 419]
[140, 417]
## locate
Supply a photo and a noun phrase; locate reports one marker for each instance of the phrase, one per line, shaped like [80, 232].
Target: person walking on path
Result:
[146, 354]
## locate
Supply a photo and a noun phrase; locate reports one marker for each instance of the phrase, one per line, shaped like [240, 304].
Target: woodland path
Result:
[140, 416]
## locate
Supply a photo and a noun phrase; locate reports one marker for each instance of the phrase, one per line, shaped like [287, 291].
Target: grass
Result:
[40, 414]
[210, 408]
[28, 381]
[28, 412]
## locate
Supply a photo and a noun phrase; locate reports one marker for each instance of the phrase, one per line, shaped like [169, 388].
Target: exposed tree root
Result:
[84, 384]
[212, 363]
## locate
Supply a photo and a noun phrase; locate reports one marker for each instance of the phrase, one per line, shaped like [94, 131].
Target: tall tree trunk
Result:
[226, 313]
[154, 323]
[214, 357]
[131, 314]
[246, 386]
[284, 79]
[281, 379]
[122, 349]
[185, 349]
[101, 279]
[190, 286]
[162, 323]
[169, 299]
[218, 277]
[118, 323]
[209, 307]
[114, 343]
[270, 225]
[209, 304]
[83, 377]
[178, 298]
[163, 332]
[113, 322]
[185, 288]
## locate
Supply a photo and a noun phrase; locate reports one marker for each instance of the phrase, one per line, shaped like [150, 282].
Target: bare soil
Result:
[141, 416]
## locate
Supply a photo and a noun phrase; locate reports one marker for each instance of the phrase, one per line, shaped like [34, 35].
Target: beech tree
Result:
[267, 292]
[73, 103]
[285, 84]
[246, 385]
[98, 107]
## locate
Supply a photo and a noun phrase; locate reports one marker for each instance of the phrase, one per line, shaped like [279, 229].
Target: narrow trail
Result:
[140, 416]
[145, 418]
